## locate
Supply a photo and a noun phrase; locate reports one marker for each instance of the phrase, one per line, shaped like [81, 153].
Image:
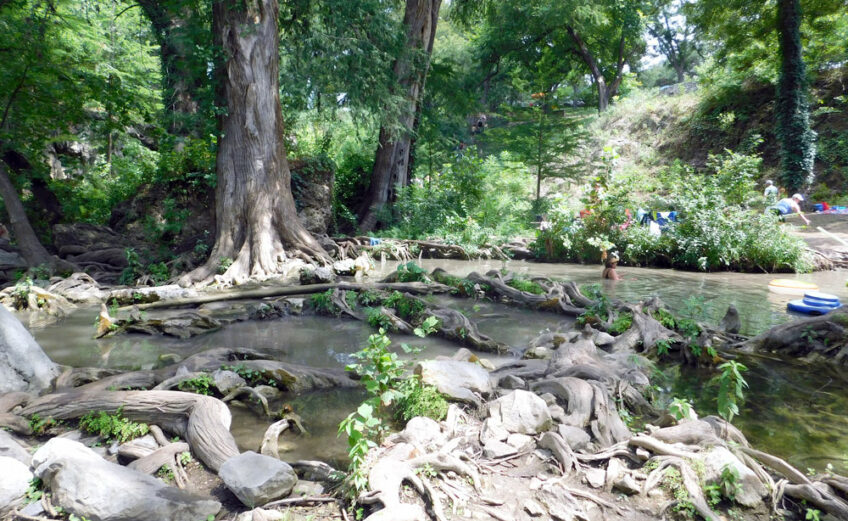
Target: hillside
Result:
[652, 128]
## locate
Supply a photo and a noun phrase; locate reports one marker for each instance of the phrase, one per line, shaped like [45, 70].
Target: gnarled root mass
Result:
[570, 437]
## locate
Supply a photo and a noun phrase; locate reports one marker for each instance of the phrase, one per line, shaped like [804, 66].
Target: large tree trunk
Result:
[257, 224]
[31, 248]
[797, 141]
[605, 91]
[391, 163]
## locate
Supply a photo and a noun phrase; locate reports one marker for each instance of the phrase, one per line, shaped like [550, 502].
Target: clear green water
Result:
[794, 410]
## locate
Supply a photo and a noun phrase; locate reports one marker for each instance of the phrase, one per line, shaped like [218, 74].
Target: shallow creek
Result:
[797, 411]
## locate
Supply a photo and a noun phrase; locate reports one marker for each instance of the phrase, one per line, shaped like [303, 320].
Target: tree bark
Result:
[605, 91]
[797, 141]
[257, 224]
[31, 248]
[391, 163]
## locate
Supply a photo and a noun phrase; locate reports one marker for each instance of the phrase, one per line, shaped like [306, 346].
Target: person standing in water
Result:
[609, 268]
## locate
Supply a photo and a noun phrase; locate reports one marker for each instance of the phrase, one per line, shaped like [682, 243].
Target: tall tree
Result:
[602, 37]
[796, 139]
[391, 163]
[257, 224]
[674, 37]
[181, 28]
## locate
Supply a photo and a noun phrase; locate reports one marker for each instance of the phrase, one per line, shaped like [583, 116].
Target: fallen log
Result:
[282, 291]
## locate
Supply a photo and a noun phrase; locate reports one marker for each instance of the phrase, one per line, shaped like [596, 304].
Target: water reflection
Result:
[793, 410]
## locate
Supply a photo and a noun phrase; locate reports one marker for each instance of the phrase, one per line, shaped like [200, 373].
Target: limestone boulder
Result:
[23, 364]
[226, 381]
[257, 479]
[14, 481]
[83, 483]
[12, 448]
[751, 490]
[311, 274]
[521, 412]
[455, 379]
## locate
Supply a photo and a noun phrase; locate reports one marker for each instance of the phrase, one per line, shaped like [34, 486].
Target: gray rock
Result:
[602, 339]
[751, 492]
[512, 382]
[33, 509]
[492, 430]
[345, 267]
[522, 412]
[260, 514]
[226, 381]
[495, 449]
[576, 437]
[423, 432]
[23, 364]
[316, 275]
[557, 413]
[521, 442]
[12, 448]
[307, 489]
[256, 479]
[549, 398]
[533, 508]
[85, 484]
[627, 485]
[14, 481]
[10, 260]
[455, 379]
[538, 353]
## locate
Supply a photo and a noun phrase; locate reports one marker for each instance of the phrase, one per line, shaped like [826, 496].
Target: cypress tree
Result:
[796, 139]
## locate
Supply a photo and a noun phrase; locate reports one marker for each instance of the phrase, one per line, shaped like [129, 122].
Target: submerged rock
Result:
[85, 484]
[23, 364]
[256, 479]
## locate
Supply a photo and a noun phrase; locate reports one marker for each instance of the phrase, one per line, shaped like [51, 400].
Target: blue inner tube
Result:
[818, 296]
[801, 306]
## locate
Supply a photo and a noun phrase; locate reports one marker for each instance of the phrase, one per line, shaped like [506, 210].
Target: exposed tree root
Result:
[202, 420]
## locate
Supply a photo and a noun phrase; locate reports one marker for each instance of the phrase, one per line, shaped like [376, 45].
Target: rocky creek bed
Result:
[540, 437]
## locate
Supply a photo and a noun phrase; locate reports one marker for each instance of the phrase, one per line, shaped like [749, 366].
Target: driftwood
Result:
[202, 420]
[280, 291]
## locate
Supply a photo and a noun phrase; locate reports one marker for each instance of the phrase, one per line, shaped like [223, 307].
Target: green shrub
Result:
[419, 399]
[323, 304]
[411, 272]
[112, 426]
[201, 384]
[717, 229]
[407, 308]
[621, 323]
[523, 284]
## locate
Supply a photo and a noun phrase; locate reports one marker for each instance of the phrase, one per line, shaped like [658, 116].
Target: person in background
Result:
[609, 268]
[770, 192]
[789, 205]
